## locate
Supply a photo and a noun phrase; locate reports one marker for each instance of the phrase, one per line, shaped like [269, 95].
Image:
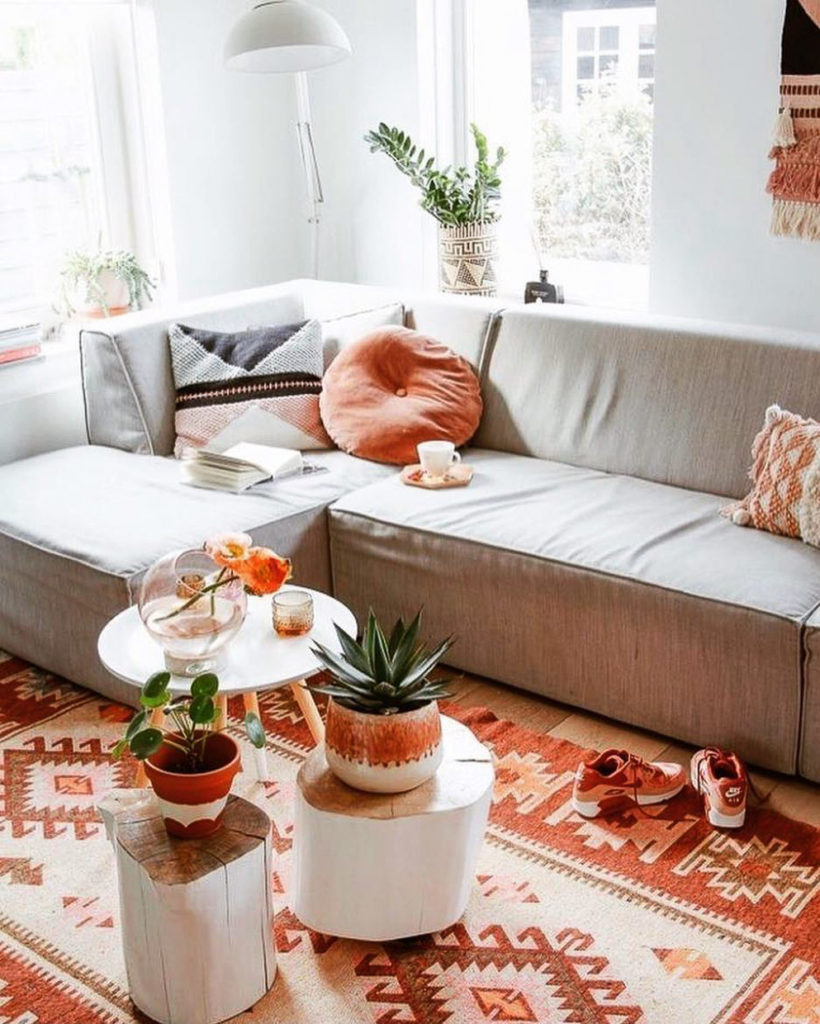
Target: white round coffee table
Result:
[257, 659]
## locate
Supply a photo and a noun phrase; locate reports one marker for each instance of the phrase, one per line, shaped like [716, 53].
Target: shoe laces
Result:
[721, 755]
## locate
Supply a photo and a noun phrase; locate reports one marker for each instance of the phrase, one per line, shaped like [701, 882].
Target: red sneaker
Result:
[614, 779]
[722, 781]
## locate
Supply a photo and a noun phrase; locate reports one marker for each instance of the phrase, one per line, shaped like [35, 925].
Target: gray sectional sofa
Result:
[586, 561]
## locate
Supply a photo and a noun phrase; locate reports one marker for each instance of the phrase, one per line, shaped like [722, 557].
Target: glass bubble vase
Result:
[193, 608]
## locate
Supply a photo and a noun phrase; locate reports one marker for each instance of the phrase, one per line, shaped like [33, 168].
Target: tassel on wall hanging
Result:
[795, 181]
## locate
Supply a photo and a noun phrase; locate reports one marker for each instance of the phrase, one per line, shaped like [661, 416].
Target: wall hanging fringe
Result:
[795, 182]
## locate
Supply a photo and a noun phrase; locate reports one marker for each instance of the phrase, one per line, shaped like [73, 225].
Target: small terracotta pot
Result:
[192, 803]
[383, 753]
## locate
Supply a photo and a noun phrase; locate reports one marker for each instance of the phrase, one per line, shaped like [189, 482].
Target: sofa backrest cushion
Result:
[126, 364]
[464, 324]
[675, 401]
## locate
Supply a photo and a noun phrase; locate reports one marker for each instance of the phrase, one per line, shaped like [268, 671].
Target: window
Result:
[72, 171]
[593, 78]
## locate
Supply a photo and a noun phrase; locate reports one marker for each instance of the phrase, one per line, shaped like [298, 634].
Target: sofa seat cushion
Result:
[117, 512]
[629, 598]
[621, 526]
[78, 528]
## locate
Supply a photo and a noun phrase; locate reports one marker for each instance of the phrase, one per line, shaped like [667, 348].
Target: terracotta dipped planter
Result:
[383, 753]
[192, 803]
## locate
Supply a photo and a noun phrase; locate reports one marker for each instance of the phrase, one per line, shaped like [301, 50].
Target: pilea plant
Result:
[192, 718]
[453, 196]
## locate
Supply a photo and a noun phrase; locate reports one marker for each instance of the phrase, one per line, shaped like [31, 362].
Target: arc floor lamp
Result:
[291, 37]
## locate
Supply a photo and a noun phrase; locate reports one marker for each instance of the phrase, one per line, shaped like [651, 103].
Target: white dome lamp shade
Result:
[280, 36]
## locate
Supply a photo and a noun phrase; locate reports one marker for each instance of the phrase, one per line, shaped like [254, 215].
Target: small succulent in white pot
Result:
[103, 283]
[383, 728]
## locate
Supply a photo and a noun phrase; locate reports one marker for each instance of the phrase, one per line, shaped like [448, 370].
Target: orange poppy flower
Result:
[227, 549]
[263, 571]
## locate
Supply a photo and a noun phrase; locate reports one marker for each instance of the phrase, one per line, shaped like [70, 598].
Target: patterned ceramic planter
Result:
[383, 753]
[192, 803]
[467, 257]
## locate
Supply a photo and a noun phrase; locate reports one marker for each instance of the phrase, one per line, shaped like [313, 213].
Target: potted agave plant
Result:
[383, 728]
[463, 201]
[190, 765]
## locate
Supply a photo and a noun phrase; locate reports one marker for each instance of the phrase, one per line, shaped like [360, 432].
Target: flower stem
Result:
[193, 600]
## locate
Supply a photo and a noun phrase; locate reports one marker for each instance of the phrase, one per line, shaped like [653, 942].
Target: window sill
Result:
[58, 368]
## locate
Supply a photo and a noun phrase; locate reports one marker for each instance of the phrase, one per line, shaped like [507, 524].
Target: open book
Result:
[240, 466]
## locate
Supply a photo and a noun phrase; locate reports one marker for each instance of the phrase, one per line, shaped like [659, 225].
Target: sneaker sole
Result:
[592, 809]
[714, 816]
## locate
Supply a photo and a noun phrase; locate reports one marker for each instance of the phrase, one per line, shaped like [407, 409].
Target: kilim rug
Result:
[650, 917]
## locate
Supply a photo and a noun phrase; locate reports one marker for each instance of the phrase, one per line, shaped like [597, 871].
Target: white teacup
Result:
[436, 457]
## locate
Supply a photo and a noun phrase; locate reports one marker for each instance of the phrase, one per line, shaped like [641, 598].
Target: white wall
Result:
[236, 193]
[372, 226]
[716, 101]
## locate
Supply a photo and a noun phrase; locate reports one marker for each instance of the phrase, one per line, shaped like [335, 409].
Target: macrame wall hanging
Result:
[795, 181]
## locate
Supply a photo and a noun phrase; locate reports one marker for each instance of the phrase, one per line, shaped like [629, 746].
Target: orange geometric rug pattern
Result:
[643, 918]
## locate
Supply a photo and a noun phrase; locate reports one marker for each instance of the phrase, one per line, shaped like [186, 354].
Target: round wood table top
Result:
[256, 659]
[170, 861]
[463, 778]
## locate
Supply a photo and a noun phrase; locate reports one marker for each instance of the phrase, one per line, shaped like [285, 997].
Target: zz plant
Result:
[381, 675]
[454, 196]
[192, 717]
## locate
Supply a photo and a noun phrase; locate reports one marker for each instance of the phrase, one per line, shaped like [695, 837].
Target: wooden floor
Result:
[792, 797]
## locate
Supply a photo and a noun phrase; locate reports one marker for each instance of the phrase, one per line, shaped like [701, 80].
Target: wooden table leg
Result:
[222, 709]
[251, 702]
[307, 705]
[156, 720]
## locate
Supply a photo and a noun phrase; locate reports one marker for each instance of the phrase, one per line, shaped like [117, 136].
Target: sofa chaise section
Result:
[79, 527]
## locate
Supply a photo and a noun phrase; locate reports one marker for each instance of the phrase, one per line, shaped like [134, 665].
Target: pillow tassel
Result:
[784, 136]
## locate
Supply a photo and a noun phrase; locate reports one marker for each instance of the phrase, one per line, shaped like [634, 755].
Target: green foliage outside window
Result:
[593, 179]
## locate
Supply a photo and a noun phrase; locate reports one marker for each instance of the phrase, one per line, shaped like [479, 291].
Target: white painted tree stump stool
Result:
[197, 914]
[381, 867]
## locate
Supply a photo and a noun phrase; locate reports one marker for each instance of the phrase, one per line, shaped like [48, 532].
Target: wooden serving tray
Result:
[458, 475]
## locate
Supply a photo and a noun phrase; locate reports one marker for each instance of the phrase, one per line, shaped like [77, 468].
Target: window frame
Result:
[629, 21]
[128, 138]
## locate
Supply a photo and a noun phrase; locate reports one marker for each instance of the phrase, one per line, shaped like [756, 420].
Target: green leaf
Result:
[382, 669]
[155, 692]
[255, 730]
[202, 710]
[404, 654]
[138, 722]
[337, 666]
[421, 670]
[352, 651]
[395, 635]
[119, 749]
[146, 743]
[205, 685]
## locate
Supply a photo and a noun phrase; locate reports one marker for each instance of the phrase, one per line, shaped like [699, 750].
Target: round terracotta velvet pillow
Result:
[395, 388]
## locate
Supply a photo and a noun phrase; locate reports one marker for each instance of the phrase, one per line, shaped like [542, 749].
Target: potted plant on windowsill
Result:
[383, 728]
[464, 203]
[103, 283]
[191, 765]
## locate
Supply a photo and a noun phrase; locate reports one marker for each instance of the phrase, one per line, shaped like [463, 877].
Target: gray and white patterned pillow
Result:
[268, 373]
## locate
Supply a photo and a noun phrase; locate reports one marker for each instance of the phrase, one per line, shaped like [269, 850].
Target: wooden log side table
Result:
[197, 914]
[381, 867]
